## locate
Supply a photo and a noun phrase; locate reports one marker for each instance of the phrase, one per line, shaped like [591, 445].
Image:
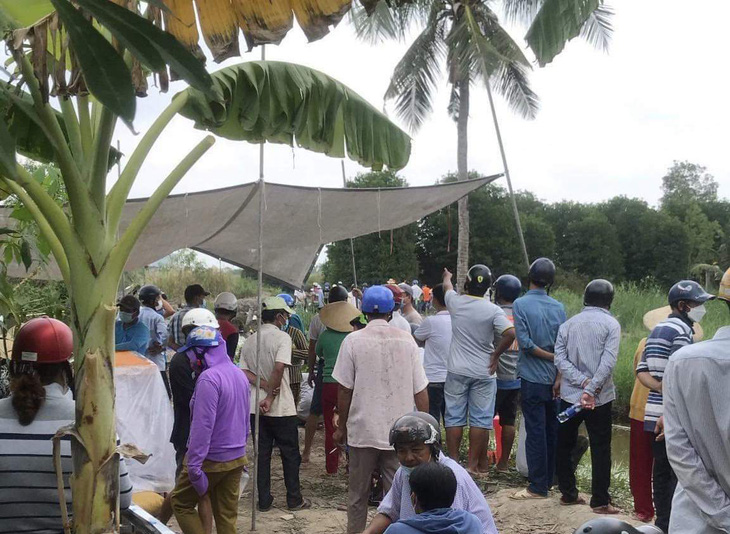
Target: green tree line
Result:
[622, 239]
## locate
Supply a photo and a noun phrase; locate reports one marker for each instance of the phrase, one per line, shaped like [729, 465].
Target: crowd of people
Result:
[389, 367]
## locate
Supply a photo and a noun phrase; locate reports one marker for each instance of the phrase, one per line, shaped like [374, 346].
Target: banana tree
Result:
[72, 124]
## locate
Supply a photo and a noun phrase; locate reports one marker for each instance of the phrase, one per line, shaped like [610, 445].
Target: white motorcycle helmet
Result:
[226, 301]
[199, 317]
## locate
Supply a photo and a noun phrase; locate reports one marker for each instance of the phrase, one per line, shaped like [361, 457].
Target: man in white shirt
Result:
[435, 334]
[396, 318]
[381, 378]
[417, 292]
[409, 307]
[150, 297]
[278, 419]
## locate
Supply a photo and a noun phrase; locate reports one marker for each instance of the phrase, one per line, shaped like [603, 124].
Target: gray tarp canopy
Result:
[298, 221]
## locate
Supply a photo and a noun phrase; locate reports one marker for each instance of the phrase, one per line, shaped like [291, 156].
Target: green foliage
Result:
[590, 246]
[377, 256]
[622, 239]
[106, 73]
[283, 103]
[184, 267]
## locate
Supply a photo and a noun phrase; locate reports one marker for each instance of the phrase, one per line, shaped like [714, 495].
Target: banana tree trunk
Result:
[462, 125]
[96, 468]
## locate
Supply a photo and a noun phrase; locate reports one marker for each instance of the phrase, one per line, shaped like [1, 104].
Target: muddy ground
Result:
[329, 503]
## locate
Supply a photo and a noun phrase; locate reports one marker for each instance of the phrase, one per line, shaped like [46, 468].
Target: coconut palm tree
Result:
[467, 38]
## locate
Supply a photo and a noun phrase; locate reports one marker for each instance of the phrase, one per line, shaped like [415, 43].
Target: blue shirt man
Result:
[129, 333]
[537, 319]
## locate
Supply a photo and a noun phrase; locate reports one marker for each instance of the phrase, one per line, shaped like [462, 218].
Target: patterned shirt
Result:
[397, 503]
[667, 337]
[587, 349]
[697, 427]
[299, 353]
[174, 328]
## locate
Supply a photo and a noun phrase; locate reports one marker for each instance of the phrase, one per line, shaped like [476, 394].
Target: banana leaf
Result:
[277, 102]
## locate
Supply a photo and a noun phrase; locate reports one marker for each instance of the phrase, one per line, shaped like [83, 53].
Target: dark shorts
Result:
[506, 406]
[316, 407]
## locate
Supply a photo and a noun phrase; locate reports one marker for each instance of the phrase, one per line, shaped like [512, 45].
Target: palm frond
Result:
[382, 21]
[598, 29]
[376, 27]
[417, 73]
[556, 23]
[497, 36]
[520, 11]
[511, 82]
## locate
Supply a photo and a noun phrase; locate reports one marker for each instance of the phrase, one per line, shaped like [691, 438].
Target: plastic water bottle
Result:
[570, 413]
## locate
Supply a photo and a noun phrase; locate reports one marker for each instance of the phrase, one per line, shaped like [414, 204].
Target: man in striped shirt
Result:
[686, 299]
[698, 431]
[585, 355]
[40, 404]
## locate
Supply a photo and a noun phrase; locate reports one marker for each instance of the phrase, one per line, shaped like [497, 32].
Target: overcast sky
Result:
[609, 124]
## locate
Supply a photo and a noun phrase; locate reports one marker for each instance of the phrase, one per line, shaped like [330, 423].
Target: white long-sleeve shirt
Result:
[697, 429]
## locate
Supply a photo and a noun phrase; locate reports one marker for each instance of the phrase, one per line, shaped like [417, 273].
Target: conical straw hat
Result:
[337, 316]
[654, 317]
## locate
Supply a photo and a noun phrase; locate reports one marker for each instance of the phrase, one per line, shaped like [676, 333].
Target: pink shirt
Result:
[380, 363]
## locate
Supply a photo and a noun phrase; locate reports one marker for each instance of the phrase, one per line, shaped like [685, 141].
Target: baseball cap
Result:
[276, 303]
[195, 290]
[129, 301]
[406, 289]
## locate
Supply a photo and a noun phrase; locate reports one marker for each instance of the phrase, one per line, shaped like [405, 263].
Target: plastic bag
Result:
[144, 418]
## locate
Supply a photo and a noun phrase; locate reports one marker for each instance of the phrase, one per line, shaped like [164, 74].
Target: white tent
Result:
[297, 222]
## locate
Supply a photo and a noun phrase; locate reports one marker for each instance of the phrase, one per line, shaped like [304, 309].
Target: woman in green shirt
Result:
[337, 317]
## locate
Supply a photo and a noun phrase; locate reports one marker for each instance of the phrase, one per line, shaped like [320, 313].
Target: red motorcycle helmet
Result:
[43, 341]
[397, 293]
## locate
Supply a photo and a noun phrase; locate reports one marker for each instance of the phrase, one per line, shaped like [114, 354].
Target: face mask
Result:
[407, 470]
[696, 314]
[126, 317]
[158, 307]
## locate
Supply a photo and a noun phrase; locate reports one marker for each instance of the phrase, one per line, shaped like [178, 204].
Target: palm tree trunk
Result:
[462, 262]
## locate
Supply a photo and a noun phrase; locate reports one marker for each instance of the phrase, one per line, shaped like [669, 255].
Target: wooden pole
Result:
[262, 204]
[352, 243]
[509, 180]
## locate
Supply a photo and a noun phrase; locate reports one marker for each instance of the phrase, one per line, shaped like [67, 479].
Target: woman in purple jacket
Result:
[217, 444]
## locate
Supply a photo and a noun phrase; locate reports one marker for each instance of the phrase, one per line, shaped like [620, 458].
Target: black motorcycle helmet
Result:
[149, 294]
[507, 287]
[611, 525]
[542, 272]
[337, 294]
[478, 280]
[417, 427]
[598, 293]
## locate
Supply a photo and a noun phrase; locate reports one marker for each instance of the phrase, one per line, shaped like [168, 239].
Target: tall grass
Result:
[629, 306]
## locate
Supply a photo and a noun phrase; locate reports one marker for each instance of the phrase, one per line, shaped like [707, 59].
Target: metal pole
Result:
[258, 328]
[509, 181]
[352, 243]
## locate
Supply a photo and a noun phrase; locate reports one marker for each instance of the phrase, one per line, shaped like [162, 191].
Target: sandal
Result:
[606, 510]
[578, 501]
[305, 505]
[526, 495]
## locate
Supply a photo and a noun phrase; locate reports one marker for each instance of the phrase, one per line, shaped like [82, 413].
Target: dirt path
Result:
[329, 504]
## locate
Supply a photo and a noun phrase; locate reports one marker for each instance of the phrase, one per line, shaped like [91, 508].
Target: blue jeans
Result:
[539, 410]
